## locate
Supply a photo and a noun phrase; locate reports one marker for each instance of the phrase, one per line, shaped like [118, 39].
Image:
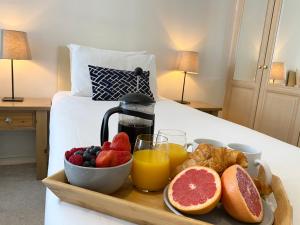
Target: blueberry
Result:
[86, 164]
[87, 156]
[95, 149]
[93, 162]
[89, 149]
[97, 153]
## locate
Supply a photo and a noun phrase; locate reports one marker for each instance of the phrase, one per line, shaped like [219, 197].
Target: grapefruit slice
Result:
[195, 190]
[240, 196]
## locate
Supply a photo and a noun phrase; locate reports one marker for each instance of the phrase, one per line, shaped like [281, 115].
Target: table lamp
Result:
[13, 46]
[188, 63]
[277, 71]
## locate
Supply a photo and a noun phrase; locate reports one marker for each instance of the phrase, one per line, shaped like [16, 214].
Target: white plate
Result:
[218, 216]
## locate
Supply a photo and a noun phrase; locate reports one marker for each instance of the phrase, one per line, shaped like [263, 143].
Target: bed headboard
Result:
[63, 69]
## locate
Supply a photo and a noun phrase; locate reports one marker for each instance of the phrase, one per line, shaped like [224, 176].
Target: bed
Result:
[75, 121]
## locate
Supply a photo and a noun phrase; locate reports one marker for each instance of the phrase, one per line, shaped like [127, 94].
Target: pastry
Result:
[217, 158]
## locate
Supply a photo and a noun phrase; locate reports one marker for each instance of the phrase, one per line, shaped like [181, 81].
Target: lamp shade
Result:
[188, 62]
[277, 71]
[14, 45]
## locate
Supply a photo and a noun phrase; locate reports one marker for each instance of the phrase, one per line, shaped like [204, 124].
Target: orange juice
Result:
[150, 169]
[177, 155]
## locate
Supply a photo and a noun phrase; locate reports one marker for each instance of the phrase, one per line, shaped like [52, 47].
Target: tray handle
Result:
[284, 211]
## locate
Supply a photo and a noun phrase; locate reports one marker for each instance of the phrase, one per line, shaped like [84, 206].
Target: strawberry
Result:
[104, 158]
[112, 158]
[68, 154]
[121, 142]
[120, 157]
[76, 159]
[73, 150]
[106, 146]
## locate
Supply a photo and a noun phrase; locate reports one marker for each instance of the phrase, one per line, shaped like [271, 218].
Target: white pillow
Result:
[81, 57]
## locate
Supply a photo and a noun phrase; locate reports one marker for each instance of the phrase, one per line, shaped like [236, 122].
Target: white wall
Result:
[159, 26]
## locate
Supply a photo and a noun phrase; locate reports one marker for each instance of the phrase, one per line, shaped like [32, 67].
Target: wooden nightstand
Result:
[205, 107]
[32, 114]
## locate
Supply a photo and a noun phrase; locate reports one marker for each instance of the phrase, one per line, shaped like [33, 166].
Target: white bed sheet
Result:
[76, 121]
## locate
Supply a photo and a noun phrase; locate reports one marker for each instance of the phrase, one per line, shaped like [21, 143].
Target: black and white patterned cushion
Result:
[111, 84]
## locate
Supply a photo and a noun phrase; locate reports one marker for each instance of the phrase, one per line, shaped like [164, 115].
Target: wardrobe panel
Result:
[250, 39]
[249, 47]
[240, 105]
[278, 116]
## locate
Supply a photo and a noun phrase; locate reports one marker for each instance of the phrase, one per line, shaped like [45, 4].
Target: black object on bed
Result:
[111, 84]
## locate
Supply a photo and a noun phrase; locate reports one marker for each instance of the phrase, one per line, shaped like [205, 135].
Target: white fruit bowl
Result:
[105, 180]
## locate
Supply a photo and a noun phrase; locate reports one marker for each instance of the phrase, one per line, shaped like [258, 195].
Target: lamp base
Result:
[183, 102]
[10, 99]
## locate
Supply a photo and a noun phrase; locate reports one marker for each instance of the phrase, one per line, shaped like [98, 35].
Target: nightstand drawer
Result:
[16, 120]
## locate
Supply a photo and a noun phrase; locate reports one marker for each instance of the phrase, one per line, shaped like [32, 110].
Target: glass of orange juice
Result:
[151, 164]
[177, 147]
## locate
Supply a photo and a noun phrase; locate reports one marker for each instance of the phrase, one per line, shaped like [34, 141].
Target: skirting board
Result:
[16, 160]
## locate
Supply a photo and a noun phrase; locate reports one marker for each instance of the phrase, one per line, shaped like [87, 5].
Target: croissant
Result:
[218, 159]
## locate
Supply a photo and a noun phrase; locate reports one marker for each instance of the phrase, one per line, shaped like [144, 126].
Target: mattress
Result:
[75, 121]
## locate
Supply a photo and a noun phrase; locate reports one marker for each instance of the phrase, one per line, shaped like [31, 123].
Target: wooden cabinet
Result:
[32, 114]
[277, 116]
[251, 99]
[205, 107]
[241, 104]
[17, 120]
[250, 41]
[296, 132]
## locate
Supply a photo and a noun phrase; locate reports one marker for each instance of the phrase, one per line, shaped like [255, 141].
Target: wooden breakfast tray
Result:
[146, 208]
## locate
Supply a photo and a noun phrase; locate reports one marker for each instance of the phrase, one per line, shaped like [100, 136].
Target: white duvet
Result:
[76, 121]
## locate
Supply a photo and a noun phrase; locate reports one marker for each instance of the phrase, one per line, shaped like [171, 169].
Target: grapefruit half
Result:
[240, 196]
[195, 190]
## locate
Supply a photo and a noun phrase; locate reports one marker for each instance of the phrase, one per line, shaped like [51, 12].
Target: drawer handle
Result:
[8, 120]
